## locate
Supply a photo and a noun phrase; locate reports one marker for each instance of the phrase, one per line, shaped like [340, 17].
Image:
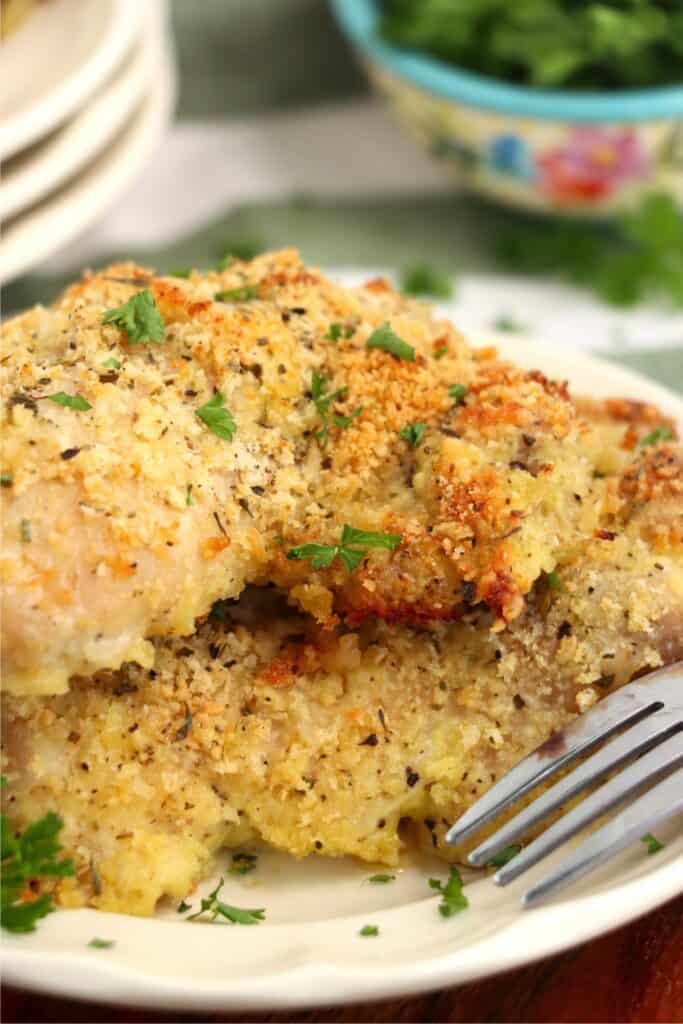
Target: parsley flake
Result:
[189, 500]
[101, 943]
[243, 863]
[441, 350]
[26, 531]
[385, 339]
[6, 479]
[245, 293]
[139, 318]
[413, 434]
[183, 907]
[424, 279]
[369, 931]
[553, 580]
[212, 908]
[657, 435]
[507, 324]
[504, 857]
[453, 899]
[653, 844]
[457, 392]
[381, 879]
[322, 400]
[241, 249]
[69, 401]
[34, 854]
[220, 610]
[337, 331]
[112, 364]
[217, 418]
[352, 549]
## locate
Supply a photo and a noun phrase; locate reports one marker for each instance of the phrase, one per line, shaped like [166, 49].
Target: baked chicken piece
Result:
[168, 441]
[266, 726]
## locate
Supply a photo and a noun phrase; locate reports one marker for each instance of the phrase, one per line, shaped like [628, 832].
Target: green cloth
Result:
[251, 56]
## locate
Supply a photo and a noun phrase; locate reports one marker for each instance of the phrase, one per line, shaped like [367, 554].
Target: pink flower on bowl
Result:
[591, 163]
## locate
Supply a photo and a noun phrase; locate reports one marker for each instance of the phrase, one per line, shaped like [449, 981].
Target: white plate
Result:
[34, 235]
[36, 172]
[308, 952]
[56, 60]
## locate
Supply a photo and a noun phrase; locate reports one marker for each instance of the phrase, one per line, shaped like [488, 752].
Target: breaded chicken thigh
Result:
[265, 726]
[151, 468]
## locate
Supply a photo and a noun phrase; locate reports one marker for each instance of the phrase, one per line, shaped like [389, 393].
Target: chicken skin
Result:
[168, 441]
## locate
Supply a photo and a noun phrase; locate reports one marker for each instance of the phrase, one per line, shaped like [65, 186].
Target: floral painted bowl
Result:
[565, 152]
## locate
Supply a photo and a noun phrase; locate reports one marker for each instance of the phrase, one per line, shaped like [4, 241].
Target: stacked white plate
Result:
[86, 91]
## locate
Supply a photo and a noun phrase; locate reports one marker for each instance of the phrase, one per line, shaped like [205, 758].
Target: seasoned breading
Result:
[339, 742]
[126, 520]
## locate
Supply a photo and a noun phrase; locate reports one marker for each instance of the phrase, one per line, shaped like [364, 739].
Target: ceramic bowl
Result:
[549, 150]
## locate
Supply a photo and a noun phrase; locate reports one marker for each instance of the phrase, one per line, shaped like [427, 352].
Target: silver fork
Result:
[643, 723]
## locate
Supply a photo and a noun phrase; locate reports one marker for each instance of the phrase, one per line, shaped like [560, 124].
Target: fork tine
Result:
[642, 736]
[661, 802]
[650, 766]
[622, 708]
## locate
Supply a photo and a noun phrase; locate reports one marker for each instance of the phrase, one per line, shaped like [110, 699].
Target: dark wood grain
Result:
[633, 975]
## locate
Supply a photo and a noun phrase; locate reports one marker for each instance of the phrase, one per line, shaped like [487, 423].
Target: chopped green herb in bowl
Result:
[545, 104]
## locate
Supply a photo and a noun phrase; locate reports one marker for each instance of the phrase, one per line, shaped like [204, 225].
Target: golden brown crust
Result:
[140, 517]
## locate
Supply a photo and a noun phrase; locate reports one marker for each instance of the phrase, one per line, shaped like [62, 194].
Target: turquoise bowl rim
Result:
[358, 19]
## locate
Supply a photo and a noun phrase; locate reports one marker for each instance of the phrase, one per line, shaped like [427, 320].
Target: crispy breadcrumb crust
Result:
[265, 725]
[139, 517]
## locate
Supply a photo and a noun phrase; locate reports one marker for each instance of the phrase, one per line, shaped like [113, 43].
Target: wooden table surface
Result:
[633, 974]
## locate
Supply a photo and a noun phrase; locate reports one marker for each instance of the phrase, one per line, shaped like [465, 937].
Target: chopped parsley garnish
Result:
[241, 249]
[453, 899]
[243, 863]
[322, 400]
[457, 392]
[413, 434]
[26, 531]
[245, 293]
[217, 418]
[26, 857]
[338, 331]
[506, 855]
[369, 931]
[381, 879]
[385, 339]
[441, 350]
[189, 500]
[553, 579]
[220, 610]
[657, 435]
[112, 364]
[352, 549]
[640, 256]
[424, 279]
[101, 943]
[183, 907]
[139, 318]
[6, 479]
[653, 844]
[70, 401]
[212, 908]
[507, 324]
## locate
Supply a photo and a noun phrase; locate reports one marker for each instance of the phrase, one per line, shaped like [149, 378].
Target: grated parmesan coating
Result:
[125, 521]
[358, 742]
